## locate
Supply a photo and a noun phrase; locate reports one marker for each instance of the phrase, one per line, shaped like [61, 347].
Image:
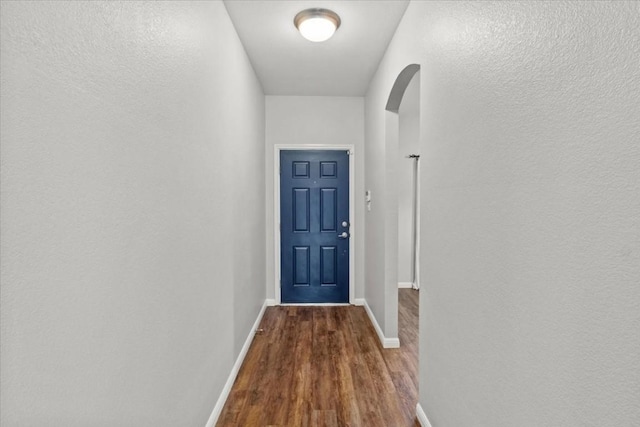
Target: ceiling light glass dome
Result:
[317, 25]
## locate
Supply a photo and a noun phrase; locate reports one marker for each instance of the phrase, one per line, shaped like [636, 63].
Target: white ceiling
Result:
[288, 64]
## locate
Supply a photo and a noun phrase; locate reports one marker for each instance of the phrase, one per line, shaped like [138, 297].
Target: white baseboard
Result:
[386, 342]
[405, 285]
[315, 304]
[217, 410]
[422, 417]
[358, 301]
[270, 302]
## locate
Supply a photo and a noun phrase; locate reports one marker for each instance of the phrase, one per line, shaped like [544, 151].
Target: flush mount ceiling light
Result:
[317, 25]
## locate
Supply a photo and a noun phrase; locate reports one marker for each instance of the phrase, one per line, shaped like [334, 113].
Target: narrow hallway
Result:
[144, 204]
[324, 366]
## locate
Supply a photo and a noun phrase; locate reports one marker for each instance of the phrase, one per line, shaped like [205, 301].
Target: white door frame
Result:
[276, 209]
[416, 279]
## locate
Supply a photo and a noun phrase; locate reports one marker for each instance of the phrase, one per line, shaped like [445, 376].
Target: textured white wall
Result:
[132, 142]
[374, 290]
[315, 120]
[531, 209]
[409, 133]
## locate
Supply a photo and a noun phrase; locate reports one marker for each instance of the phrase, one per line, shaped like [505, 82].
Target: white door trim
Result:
[276, 209]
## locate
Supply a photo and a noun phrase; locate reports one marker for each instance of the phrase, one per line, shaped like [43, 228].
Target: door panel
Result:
[301, 274]
[328, 209]
[301, 210]
[314, 211]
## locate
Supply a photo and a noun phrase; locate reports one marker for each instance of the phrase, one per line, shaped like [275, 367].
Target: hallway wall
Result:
[315, 120]
[132, 254]
[531, 209]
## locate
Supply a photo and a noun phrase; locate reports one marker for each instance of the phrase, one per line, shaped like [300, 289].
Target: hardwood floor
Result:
[324, 366]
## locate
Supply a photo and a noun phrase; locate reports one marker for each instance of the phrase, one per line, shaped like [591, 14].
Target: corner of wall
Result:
[384, 341]
[222, 399]
[422, 416]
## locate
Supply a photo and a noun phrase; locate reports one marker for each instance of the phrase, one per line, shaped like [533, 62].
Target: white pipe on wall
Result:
[415, 229]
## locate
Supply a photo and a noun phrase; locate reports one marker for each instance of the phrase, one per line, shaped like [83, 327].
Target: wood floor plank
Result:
[324, 419]
[348, 413]
[324, 367]
[301, 387]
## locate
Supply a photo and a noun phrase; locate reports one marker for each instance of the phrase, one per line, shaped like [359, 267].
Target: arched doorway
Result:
[402, 146]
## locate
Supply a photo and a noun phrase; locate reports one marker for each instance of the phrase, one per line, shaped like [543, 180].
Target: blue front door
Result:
[314, 226]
